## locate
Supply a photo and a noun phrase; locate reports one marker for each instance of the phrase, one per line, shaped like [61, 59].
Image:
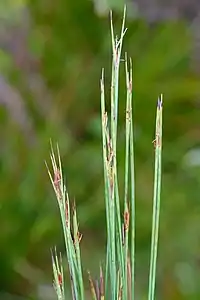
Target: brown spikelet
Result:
[57, 182]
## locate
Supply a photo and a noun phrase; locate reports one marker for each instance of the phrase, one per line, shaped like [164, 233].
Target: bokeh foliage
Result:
[66, 44]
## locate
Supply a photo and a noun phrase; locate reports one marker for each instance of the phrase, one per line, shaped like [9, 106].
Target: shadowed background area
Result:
[51, 55]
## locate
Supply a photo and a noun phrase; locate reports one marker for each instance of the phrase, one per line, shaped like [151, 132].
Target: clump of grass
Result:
[117, 280]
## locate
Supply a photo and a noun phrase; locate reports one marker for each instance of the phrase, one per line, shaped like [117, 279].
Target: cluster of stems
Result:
[117, 278]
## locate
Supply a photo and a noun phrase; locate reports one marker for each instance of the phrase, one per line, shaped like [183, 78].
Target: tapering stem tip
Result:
[160, 102]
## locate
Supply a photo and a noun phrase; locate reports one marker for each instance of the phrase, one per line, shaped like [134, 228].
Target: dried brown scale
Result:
[157, 141]
[79, 236]
[66, 215]
[111, 180]
[60, 281]
[126, 220]
[57, 182]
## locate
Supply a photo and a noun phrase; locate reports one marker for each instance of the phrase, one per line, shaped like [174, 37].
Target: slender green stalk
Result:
[132, 171]
[117, 47]
[77, 239]
[110, 167]
[156, 201]
[126, 202]
[106, 184]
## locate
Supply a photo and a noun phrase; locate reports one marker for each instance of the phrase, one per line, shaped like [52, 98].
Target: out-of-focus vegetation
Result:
[51, 54]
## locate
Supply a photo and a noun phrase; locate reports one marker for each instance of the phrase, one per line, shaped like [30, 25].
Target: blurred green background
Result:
[51, 55]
